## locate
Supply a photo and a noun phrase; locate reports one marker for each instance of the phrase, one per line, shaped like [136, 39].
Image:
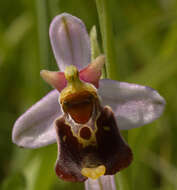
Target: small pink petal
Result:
[92, 72]
[55, 79]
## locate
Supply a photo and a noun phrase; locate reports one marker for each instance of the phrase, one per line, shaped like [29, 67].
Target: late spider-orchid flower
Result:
[84, 113]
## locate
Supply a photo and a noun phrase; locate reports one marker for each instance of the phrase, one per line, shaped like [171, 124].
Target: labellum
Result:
[89, 141]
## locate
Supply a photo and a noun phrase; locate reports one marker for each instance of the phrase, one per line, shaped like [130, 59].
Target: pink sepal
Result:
[60, 82]
[92, 72]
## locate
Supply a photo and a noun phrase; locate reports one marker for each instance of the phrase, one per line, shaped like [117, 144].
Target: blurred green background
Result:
[145, 34]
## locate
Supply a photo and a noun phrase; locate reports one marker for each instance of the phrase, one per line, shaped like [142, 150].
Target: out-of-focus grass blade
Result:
[15, 181]
[40, 170]
[161, 166]
[14, 34]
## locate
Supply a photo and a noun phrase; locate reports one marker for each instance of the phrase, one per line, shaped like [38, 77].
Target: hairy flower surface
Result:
[84, 113]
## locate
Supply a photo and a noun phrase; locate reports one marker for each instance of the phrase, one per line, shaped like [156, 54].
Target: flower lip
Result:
[76, 161]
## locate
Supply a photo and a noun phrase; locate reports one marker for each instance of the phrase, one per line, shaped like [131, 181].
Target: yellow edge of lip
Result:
[93, 173]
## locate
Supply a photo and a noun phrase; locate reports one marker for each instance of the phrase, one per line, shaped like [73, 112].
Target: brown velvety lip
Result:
[110, 149]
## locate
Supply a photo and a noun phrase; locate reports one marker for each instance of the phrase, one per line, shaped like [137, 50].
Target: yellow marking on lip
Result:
[93, 173]
[106, 128]
[64, 138]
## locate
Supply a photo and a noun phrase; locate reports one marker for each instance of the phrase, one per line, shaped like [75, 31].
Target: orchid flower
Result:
[85, 113]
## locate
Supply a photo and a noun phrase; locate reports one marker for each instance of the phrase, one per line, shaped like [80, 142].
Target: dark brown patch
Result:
[114, 151]
[85, 133]
[68, 164]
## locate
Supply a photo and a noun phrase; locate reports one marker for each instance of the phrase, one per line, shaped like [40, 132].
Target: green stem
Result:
[107, 37]
[112, 69]
[95, 48]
